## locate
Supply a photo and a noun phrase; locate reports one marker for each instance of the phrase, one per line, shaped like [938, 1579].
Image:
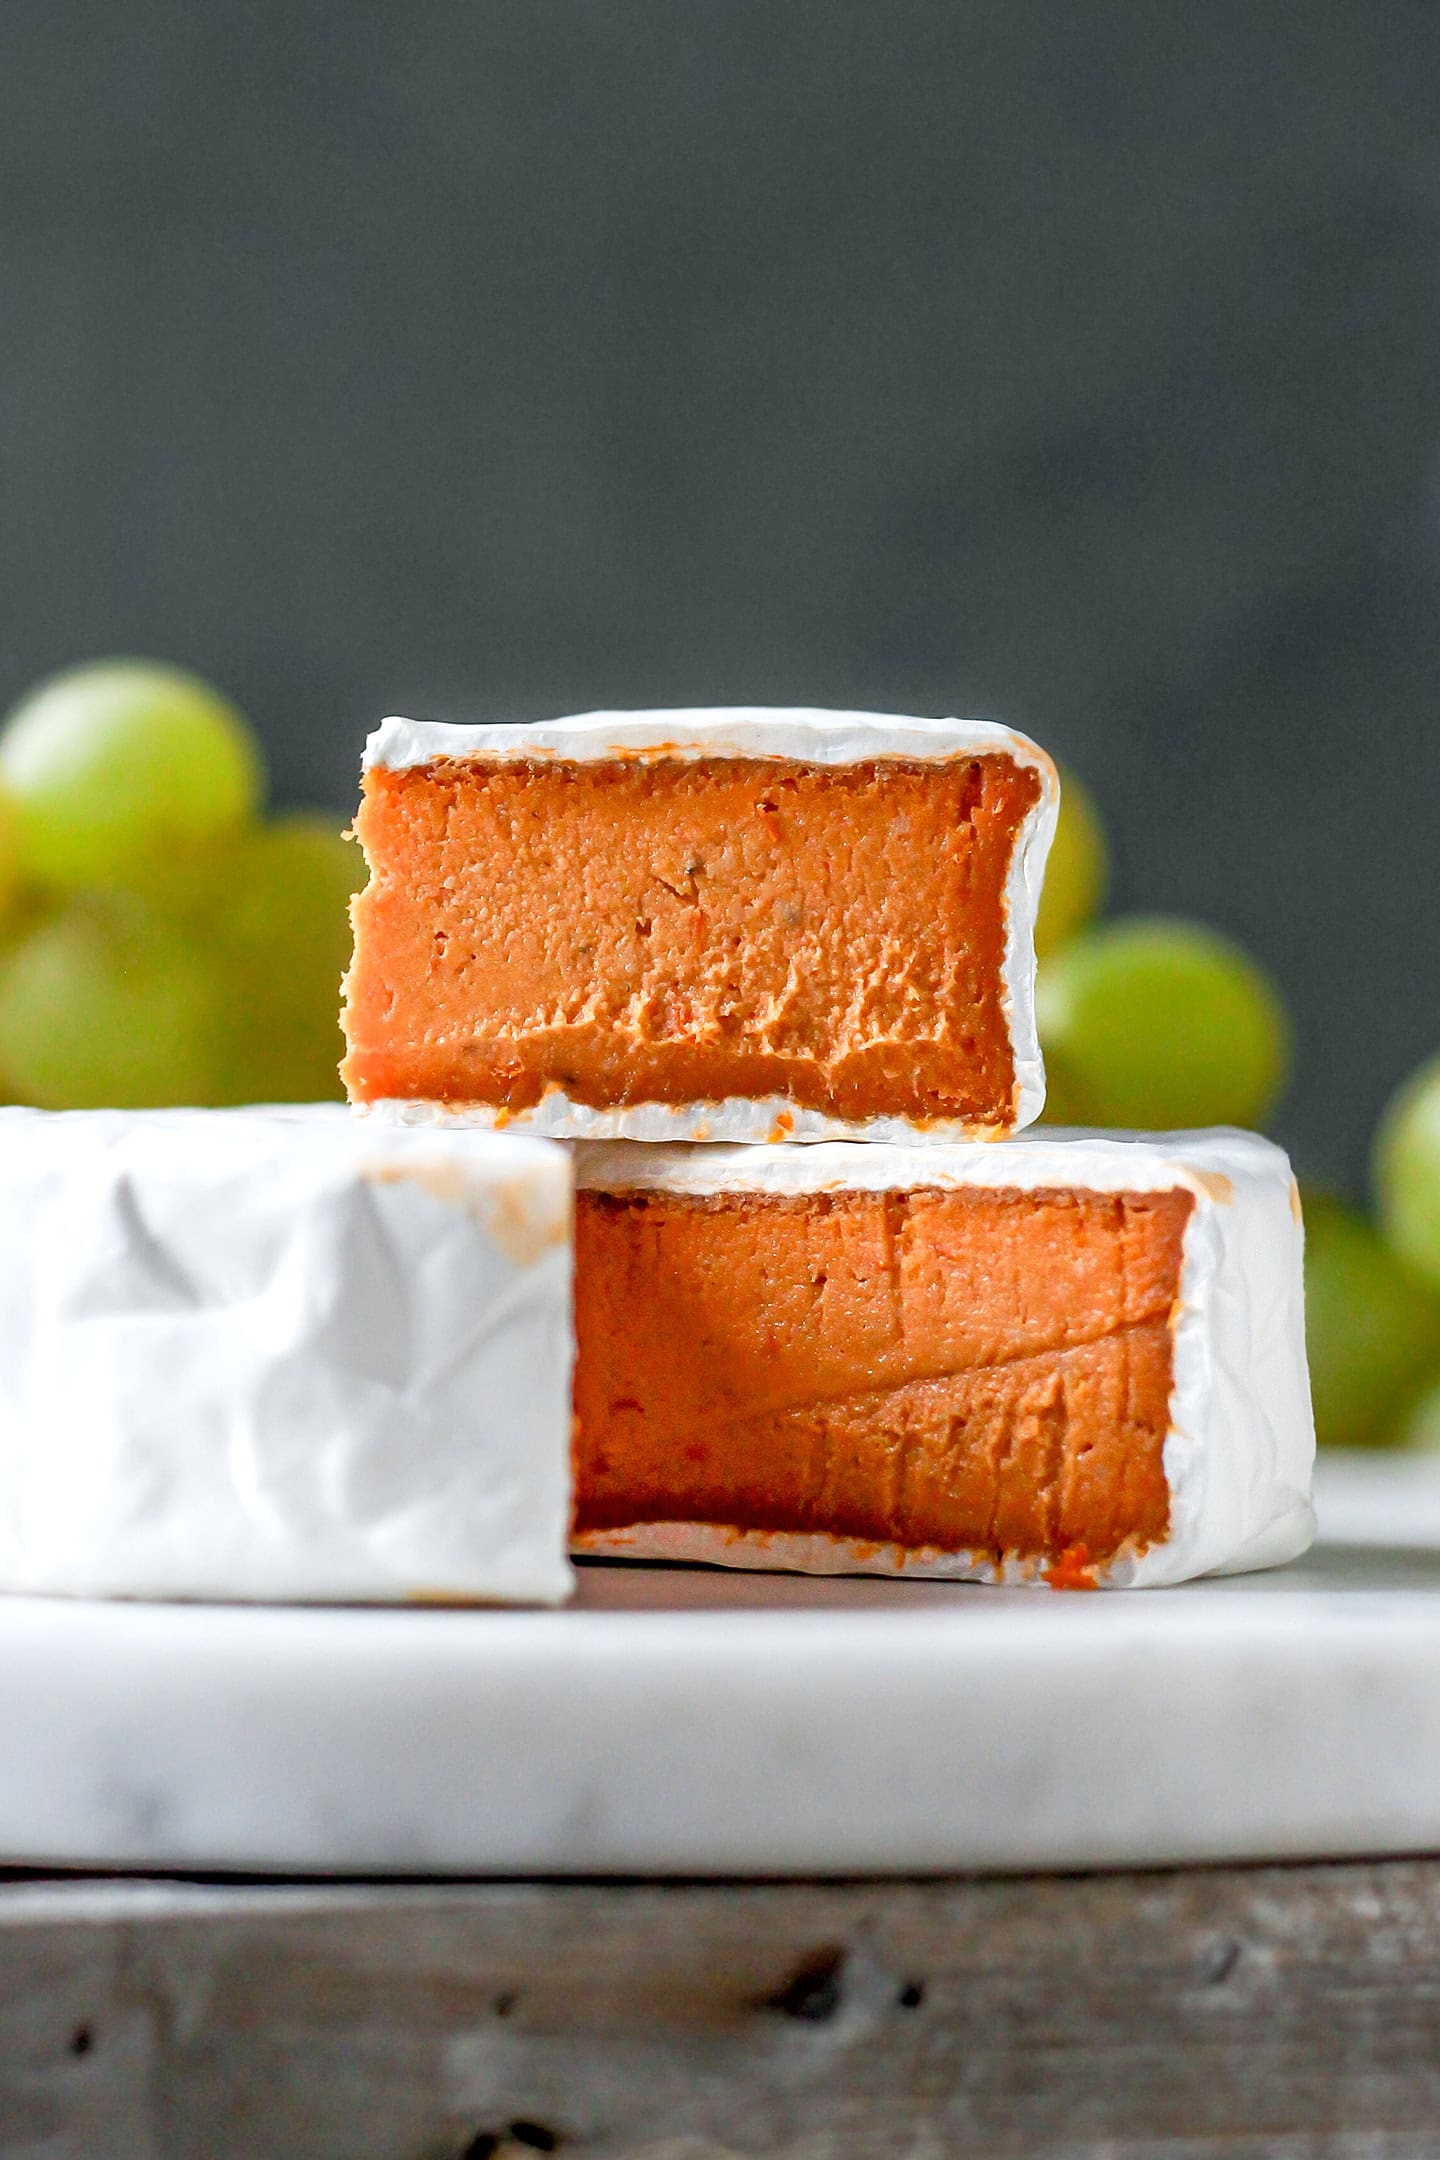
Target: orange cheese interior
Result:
[974, 1370]
[677, 931]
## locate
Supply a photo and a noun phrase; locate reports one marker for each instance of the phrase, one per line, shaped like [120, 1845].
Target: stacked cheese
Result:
[937, 1347]
[319, 1355]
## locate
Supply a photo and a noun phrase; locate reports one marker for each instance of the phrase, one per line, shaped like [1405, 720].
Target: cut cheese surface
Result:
[747, 946]
[981, 1369]
[904, 1359]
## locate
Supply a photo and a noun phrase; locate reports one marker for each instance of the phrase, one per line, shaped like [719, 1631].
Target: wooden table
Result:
[1285, 2011]
[1290, 2012]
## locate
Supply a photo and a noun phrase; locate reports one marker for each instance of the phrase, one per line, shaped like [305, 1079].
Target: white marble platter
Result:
[693, 1722]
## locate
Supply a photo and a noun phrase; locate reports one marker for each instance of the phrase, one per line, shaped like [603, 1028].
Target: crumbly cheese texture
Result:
[740, 925]
[282, 1355]
[1124, 1352]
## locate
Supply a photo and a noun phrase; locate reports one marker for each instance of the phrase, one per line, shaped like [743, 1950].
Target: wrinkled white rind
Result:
[1241, 1447]
[756, 731]
[280, 1355]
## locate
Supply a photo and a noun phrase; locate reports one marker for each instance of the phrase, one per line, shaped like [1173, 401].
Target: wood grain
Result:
[1243, 2012]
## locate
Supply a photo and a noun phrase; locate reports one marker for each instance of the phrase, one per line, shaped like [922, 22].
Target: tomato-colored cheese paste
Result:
[966, 1369]
[674, 931]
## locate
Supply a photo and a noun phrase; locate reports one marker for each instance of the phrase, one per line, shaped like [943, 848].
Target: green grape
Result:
[104, 1006]
[1372, 1328]
[11, 883]
[1418, 1428]
[1062, 1105]
[116, 767]
[286, 935]
[1407, 1171]
[1077, 871]
[187, 881]
[1146, 1021]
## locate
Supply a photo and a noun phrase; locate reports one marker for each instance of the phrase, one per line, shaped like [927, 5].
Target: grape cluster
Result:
[160, 941]
[1156, 1023]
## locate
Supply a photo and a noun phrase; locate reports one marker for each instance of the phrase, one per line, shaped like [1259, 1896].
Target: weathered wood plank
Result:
[1247, 2013]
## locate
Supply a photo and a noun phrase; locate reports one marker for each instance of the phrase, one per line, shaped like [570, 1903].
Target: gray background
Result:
[1071, 363]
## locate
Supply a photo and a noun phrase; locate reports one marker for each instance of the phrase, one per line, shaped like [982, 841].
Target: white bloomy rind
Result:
[757, 731]
[1241, 1446]
[279, 1355]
